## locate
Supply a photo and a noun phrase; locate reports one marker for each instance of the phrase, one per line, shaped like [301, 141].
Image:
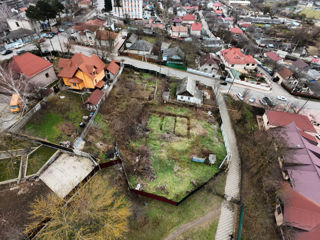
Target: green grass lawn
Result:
[38, 158]
[171, 156]
[311, 13]
[59, 119]
[9, 168]
[154, 220]
[99, 132]
[204, 232]
[161, 218]
[181, 126]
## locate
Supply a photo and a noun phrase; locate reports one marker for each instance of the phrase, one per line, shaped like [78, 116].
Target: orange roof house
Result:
[81, 71]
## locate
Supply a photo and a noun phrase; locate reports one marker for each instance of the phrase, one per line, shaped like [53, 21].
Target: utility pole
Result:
[304, 105]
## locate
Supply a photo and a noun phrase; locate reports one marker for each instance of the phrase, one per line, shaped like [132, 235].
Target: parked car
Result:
[19, 52]
[318, 136]
[60, 30]
[49, 36]
[282, 98]
[41, 40]
[269, 101]
[252, 100]
[43, 35]
[224, 83]
[240, 96]
[6, 52]
[263, 102]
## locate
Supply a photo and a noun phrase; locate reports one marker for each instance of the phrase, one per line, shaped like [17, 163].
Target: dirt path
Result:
[194, 223]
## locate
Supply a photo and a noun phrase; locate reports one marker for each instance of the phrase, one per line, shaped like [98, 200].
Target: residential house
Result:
[131, 40]
[177, 21]
[140, 47]
[299, 164]
[188, 92]
[313, 75]
[273, 57]
[179, 32]
[283, 74]
[81, 71]
[39, 72]
[84, 4]
[181, 12]
[209, 63]
[94, 99]
[112, 70]
[105, 38]
[236, 31]
[127, 8]
[299, 65]
[85, 33]
[188, 19]
[21, 34]
[298, 214]
[272, 119]
[196, 29]
[173, 55]
[235, 59]
[191, 8]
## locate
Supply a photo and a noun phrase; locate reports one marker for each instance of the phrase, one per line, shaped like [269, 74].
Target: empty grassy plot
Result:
[311, 13]
[38, 158]
[171, 156]
[173, 109]
[9, 168]
[181, 126]
[168, 124]
[59, 119]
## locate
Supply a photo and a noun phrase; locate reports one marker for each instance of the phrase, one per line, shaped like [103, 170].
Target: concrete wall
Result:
[41, 80]
[189, 99]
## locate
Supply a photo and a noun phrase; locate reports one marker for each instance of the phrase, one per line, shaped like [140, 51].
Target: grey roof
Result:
[19, 33]
[165, 45]
[175, 51]
[189, 85]
[133, 38]
[300, 64]
[141, 45]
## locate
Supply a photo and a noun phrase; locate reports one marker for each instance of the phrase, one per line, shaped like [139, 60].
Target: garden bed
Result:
[59, 119]
[38, 158]
[172, 145]
[9, 168]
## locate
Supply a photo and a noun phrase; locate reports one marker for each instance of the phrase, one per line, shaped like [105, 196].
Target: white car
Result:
[282, 98]
[252, 100]
[240, 96]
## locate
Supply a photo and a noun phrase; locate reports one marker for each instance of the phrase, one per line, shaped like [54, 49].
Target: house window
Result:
[47, 75]
[189, 98]
[18, 25]
[252, 64]
[248, 64]
[90, 38]
[232, 65]
[74, 84]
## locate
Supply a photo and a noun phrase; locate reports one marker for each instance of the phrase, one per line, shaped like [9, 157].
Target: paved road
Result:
[277, 90]
[205, 25]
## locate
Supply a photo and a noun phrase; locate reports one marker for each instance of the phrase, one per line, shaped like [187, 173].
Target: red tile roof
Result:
[82, 62]
[312, 235]
[245, 25]
[235, 56]
[236, 30]
[85, 26]
[189, 17]
[95, 22]
[179, 29]
[29, 64]
[196, 27]
[217, 4]
[100, 84]
[94, 97]
[218, 12]
[308, 137]
[191, 7]
[75, 80]
[113, 67]
[285, 73]
[104, 35]
[299, 211]
[277, 118]
[273, 56]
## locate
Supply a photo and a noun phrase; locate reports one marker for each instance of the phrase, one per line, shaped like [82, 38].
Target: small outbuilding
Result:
[189, 92]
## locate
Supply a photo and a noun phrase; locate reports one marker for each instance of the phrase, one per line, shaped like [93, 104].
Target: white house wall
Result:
[130, 8]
